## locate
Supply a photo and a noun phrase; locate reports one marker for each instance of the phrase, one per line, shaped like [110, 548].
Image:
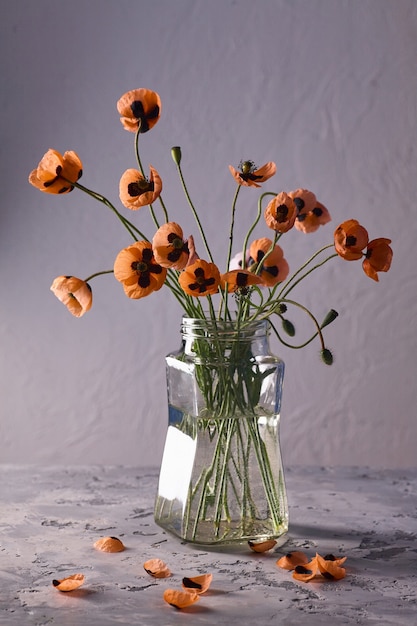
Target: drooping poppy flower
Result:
[249, 176]
[137, 270]
[280, 213]
[200, 278]
[139, 106]
[275, 269]
[109, 544]
[56, 172]
[198, 584]
[75, 293]
[136, 191]
[378, 257]
[290, 560]
[69, 583]
[262, 546]
[350, 239]
[157, 568]
[180, 599]
[238, 280]
[169, 248]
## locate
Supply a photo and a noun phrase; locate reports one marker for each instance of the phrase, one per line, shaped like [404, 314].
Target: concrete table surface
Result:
[50, 518]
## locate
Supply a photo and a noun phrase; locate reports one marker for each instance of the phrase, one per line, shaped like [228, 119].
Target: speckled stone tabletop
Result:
[50, 518]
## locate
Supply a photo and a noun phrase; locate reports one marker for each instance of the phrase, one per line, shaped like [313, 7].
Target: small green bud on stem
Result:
[176, 154]
[326, 356]
[288, 327]
[330, 317]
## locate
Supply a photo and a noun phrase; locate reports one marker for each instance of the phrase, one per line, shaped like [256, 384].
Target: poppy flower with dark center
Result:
[169, 248]
[350, 239]
[136, 191]
[200, 278]
[239, 280]
[275, 268]
[75, 293]
[56, 172]
[137, 270]
[378, 257]
[249, 176]
[139, 107]
[304, 200]
[280, 213]
[312, 220]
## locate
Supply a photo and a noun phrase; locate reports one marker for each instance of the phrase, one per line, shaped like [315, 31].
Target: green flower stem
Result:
[131, 228]
[253, 226]
[98, 274]
[286, 287]
[194, 212]
[139, 162]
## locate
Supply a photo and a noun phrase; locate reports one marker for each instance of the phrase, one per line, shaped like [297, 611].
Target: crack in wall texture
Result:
[325, 89]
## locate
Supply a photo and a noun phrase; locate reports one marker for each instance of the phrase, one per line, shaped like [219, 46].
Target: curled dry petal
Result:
[109, 544]
[290, 560]
[198, 584]
[69, 583]
[157, 568]
[307, 571]
[262, 546]
[180, 599]
[330, 568]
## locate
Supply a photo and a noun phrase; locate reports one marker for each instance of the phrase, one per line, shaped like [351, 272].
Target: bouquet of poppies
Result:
[258, 274]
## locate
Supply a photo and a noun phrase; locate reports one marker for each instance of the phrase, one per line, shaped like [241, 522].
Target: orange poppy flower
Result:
[136, 191]
[70, 583]
[275, 269]
[157, 568]
[180, 599]
[262, 546]
[290, 560]
[55, 170]
[109, 544]
[137, 270]
[139, 106]
[378, 257]
[200, 278]
[169, 248]
[280, 213]
[311, 221]
[75, 293]
[249, 176]
[311, 214]
[238, 280]
[198, 584]
[350, 238]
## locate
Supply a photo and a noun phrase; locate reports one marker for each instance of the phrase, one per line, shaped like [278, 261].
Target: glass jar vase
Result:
[221, 478]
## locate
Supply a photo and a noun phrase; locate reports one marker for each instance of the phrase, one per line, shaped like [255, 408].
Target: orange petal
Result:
[180, 599]
[306, 572]
[292, 559]
[109, 544]
[157, 568]
[262, 546]
[330, 568]
[198, 584]
[70, 583]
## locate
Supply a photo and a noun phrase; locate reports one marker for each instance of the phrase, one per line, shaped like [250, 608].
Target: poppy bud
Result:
[330, 317]
[288, 327]
[326, 356]
[176, 154]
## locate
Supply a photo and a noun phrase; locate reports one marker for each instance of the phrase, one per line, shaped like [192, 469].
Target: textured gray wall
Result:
[327, 89]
